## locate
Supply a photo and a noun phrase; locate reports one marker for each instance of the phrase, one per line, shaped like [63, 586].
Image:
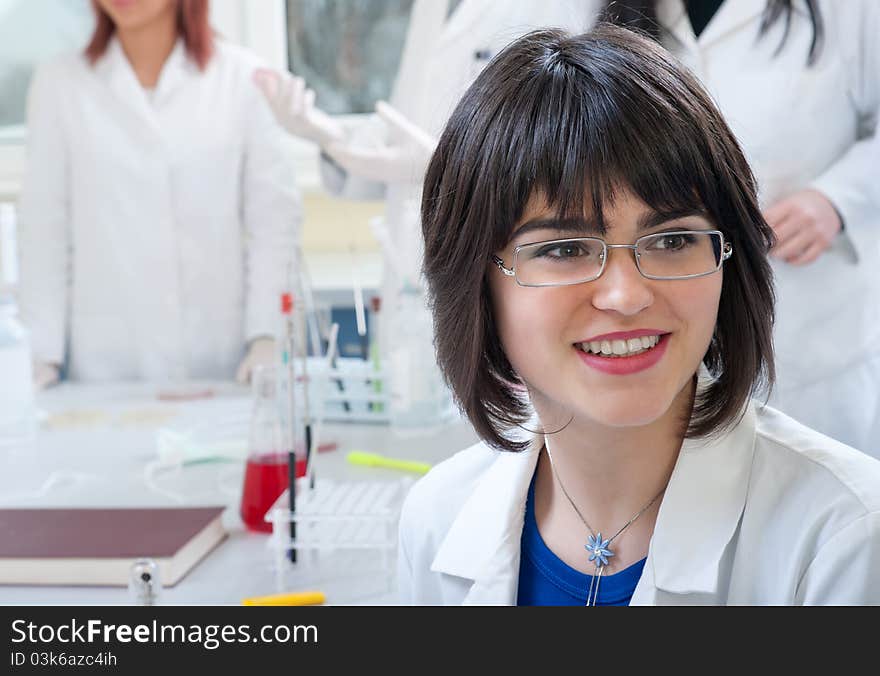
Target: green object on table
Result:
[376, 460]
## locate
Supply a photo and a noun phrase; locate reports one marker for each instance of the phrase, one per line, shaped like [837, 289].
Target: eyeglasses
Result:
[678, 254]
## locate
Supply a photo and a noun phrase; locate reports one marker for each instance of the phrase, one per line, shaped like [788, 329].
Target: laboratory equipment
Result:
[289, 344]
[16, 379]
[144, 582]
[375, 460]
[308, 598]
[339, 518]
[420, 399]
[270, 441]
[8, 258]
[376, 348]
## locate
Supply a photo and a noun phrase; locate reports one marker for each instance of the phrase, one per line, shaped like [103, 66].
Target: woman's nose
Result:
[621, 287]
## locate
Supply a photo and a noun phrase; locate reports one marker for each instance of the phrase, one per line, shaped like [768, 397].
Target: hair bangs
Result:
[575, 137]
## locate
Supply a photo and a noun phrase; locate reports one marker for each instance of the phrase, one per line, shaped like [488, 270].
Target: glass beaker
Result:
[272, 435]
[419, 396]
[16, 381]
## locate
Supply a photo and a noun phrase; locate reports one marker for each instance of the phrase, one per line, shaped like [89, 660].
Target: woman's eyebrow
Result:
[588, 227]
[568, 225]
[651, 219]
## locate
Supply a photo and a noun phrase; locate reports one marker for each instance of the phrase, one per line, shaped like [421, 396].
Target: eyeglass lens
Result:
[667, 255]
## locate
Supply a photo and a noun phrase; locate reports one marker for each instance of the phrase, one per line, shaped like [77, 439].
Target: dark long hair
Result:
[642, 15]
[576, 118]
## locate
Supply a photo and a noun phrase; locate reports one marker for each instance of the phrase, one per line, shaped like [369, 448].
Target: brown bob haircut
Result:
[574, 117]
[193, 25]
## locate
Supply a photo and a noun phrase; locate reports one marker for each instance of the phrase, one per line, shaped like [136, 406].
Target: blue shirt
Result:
[545, 580]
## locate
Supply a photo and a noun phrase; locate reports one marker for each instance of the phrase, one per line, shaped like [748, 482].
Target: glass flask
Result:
[272, 434]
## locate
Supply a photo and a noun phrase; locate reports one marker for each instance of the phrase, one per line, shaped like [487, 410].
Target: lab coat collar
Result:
[115, 69]
[483, 543]
[701, 510]
[672, 15]
[177, 67]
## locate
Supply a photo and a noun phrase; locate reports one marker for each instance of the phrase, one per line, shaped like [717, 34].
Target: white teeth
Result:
[619, 347]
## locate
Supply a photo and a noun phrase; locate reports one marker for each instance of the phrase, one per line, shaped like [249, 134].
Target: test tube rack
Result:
[353, 390]
[356, 391]
[338, 516]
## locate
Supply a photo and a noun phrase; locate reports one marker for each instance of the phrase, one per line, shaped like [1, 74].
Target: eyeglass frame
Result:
[726, 253]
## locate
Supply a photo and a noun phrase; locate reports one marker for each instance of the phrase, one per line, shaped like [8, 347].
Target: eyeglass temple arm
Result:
[500, 264]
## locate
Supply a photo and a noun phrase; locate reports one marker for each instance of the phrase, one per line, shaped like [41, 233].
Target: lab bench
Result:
[97, 445]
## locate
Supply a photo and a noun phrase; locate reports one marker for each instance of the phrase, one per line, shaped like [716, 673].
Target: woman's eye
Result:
[673, 242]
[567, 250]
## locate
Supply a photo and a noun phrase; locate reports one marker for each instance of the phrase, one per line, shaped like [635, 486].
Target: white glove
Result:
[260, 353]
[293, 105]
[403, 159]
[45, 374]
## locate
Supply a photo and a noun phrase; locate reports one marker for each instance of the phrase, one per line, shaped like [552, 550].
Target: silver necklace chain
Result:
[597, 541]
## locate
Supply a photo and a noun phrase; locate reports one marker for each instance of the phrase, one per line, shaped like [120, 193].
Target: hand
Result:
[805, 224]
[45, 375]
[293, 105]
[260, 353]
[403, 159]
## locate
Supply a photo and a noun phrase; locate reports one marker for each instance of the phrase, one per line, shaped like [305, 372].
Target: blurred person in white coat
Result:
[446, 46]
[799, 83]
[159, 215]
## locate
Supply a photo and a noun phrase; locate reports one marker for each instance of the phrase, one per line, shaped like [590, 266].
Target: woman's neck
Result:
[148, 47]
[611, 473]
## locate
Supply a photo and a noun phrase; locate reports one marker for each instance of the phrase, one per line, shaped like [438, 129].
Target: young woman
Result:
[603, 311]
[159, 212]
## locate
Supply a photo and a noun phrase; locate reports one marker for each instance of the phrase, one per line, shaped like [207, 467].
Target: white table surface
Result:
[95, 442]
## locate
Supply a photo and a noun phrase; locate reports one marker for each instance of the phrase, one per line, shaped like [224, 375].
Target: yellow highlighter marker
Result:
[310, 598]
[376, 460]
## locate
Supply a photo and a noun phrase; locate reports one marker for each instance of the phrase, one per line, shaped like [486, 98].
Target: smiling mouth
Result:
[615, 349]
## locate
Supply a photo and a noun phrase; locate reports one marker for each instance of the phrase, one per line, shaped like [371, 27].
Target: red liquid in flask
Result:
[265, 478]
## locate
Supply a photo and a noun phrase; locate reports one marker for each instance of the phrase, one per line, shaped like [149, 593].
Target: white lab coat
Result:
[157, 229]
[771, 513]
[809, 128]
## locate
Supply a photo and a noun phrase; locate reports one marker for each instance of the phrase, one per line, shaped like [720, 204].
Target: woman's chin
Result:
[626, 415]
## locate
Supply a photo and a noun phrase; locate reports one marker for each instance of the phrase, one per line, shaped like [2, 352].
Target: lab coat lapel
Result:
[483, 543]
[699, 515]
[174, 73]
[671, 14]
[731, 15]
[116, 71]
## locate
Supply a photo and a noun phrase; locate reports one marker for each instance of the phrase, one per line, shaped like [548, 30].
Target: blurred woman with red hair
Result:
[159, 218]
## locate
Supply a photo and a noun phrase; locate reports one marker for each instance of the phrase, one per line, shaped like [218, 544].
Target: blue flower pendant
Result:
[598, 549]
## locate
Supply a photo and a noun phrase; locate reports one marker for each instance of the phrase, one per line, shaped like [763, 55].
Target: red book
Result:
[96, 546]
